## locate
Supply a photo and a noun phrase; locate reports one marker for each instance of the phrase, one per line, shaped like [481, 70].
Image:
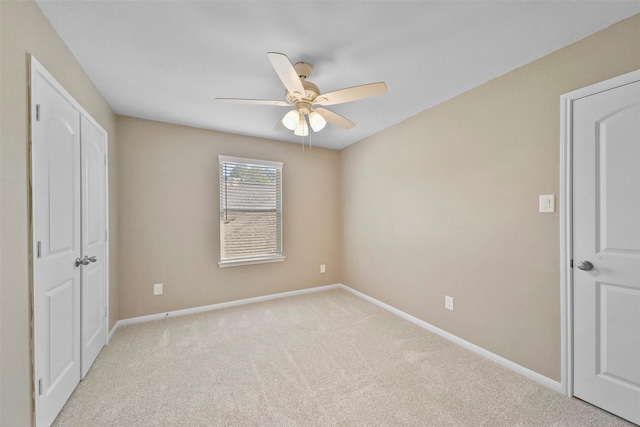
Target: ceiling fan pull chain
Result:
[306, 119]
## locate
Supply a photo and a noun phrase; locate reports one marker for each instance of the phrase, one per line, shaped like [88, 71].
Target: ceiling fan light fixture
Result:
[302, 129]
[317, 121]
[291, 120]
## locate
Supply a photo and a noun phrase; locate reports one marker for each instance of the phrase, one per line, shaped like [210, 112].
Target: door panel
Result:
[94, 229]
[56, 187]
[618, 307]
[62, 173]
[61, 302]
[93, 323]
[619, 180]
[606, 190]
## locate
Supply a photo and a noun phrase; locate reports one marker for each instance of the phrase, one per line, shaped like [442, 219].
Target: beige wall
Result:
[169, 218]
[25, 30]
[445, 203]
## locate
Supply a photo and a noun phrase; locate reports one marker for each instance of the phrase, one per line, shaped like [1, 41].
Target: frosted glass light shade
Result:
[302, 129]
[291, 119]
[317, 121]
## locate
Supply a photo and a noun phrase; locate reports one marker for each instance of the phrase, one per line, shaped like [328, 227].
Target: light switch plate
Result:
[547, 203]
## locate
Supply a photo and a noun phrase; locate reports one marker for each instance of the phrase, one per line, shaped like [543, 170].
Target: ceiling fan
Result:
[307, 99]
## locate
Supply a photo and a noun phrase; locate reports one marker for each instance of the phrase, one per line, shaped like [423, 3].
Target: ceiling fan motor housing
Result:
[311, 91]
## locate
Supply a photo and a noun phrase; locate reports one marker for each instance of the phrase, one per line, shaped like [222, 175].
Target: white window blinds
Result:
[250, 211]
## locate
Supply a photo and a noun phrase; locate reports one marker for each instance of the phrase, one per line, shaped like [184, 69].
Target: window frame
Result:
[239, 261]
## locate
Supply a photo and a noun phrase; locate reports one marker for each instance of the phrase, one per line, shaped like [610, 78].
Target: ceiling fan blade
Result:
[288, 75]
[335, 118]
[254, 101]
[351, 94]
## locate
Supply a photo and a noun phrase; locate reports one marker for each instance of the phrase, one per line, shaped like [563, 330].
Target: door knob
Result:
[585, 265]
[86, 260]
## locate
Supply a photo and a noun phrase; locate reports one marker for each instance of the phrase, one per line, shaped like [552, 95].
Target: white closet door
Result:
[94, 234]
[70, 262]
[56, 222]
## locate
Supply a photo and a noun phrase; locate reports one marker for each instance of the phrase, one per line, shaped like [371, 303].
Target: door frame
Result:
[37, 69]
[566, 217]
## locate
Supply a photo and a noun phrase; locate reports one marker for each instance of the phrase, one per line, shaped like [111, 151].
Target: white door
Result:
[56, 225]
[606, 234]
[70, 265]
[94, 234]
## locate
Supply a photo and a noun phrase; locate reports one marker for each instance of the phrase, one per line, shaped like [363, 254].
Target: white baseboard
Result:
[528, 373]
[218, 306]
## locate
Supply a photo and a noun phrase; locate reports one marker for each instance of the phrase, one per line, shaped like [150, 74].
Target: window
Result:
[250, 211]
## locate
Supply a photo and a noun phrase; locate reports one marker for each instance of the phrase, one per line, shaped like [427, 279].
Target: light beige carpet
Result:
[321, 359]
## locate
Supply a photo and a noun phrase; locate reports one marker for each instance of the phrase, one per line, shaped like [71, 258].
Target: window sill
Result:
[249, 261]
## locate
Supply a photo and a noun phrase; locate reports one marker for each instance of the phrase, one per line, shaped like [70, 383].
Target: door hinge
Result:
[40, 387]
[106, 235]
[105, 312]
[571, 264]
[37, 112]
[39, 249]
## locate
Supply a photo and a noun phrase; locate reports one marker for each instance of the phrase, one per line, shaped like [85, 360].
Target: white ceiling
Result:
[169, 60]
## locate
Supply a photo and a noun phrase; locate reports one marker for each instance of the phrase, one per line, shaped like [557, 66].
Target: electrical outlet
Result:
[448, 303]
[157, 289]
[322, 268]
